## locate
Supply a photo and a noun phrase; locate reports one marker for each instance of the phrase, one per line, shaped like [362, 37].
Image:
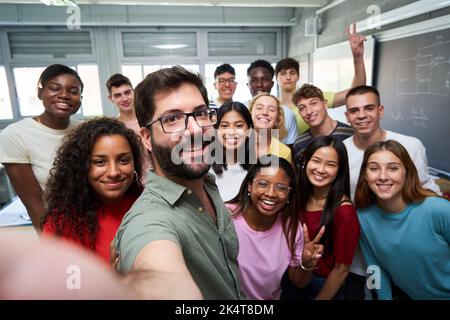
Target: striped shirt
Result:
[214, 104]
[341, 132]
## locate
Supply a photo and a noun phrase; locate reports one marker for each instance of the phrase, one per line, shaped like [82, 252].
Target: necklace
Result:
[320, 198]
[38, 120]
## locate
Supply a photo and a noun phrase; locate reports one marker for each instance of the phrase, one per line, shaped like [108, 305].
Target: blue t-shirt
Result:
[291, 126]
[410, 247]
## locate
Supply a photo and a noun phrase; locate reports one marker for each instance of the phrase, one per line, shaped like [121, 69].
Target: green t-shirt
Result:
[169, 211]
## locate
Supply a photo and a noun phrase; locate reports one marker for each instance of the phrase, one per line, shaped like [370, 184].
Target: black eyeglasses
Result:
[229, 81]
[177, 122]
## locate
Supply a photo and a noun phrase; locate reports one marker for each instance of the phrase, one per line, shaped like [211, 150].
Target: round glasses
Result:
[280, 188]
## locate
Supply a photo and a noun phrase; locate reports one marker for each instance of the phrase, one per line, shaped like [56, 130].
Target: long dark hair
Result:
[289, 214]
[70, 199]
[339, 189]
[220, 164]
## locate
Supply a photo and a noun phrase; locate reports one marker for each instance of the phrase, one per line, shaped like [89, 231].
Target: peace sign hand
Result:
[356, 41]
[312, 250]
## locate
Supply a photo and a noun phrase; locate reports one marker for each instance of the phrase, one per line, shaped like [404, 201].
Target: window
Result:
[159, 44]
[151, 68]
[5, 101]
[199, 50]
[31, 50]
[137, 73]
[91, 104]
[134, 73]
[49, 45]
[225, 44]
[242, 93]
[26, 79]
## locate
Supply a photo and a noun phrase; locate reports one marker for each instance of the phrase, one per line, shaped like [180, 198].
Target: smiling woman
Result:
[27, 147]
[325, 202]
[268, 119]
[233, 158]
[405, 228]
[102, 161]
[270, 236]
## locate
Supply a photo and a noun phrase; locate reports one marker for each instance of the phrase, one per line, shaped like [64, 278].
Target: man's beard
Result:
[163, 156]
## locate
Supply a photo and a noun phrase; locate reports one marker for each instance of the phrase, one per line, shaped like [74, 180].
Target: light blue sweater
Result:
[410, 247]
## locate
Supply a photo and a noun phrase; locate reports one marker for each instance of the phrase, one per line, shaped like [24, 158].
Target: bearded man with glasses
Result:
[178, 241]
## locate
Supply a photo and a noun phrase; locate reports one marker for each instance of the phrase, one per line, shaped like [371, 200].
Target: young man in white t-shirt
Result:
[364, 113]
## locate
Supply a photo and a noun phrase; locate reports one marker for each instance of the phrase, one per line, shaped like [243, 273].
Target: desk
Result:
[14, 214]
[6, 190]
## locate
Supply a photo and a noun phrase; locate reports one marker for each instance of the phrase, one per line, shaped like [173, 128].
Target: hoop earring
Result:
[136, 177]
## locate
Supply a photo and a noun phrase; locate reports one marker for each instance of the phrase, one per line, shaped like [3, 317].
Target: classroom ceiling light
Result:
[169, 46]
[67, 3]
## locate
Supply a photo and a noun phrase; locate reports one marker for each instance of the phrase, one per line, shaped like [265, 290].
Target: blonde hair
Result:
[281, 119]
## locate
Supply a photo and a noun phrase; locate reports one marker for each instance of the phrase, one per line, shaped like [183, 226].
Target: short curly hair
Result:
[70, 200]
[261, 64]
[307, 91]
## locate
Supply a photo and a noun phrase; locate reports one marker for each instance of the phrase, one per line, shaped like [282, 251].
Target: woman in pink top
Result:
[270, 236]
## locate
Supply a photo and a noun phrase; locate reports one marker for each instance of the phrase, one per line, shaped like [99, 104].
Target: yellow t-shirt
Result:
[279, 149]
[301, 124]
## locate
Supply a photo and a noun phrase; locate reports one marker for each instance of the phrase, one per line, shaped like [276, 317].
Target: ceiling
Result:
[220, 3]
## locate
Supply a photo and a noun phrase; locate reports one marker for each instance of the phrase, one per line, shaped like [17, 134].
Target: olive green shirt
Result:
[169, 211]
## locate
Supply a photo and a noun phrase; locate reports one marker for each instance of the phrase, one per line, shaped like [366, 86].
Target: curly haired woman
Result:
[95, 179]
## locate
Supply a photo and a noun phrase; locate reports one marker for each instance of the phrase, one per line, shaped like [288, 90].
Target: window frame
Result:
[33, 62]
[202, 58]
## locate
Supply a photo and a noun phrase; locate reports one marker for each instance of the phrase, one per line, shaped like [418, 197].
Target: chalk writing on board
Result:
[419, 118]
[428, 72]
[397, 115]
